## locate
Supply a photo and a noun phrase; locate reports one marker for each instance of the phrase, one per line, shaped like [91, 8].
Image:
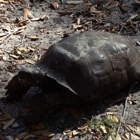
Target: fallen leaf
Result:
[103, 129]
[94, 10]
[131, 136]
[8, 123]
[43, 138]
[75, 2]
[3, 34]
[111, 113]
[123, 138]
[137, 1]
[111, 4]
[109, 138]
[49, 31]
[22, 135]
[29, 61]
[133, 129]
[4, 115]
[1, 38]
[123, 7]
[17, 32]
[118, 137]
[18, 62]
[75, 132]
[113, 118]
[3, 1]
[75, 26]
[83, 127]
[54, 5]
[38, 132]
[33, 37]
[69, 134]
[14, 56]
[23, 50]
[48, 134]
[4, 57]
[38, 126]
[26, 13]
[28, 136]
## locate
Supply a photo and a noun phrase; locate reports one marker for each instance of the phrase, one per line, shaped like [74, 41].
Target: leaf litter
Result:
[97, 19]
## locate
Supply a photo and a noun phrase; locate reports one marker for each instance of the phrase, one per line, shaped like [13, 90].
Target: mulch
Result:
[27, 30]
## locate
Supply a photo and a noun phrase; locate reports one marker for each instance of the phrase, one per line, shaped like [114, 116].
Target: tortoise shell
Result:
[92, 65]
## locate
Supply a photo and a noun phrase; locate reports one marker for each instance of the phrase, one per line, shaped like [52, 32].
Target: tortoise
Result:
[91, 65]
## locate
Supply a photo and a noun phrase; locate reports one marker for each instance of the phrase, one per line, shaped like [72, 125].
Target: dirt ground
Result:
[27, 30]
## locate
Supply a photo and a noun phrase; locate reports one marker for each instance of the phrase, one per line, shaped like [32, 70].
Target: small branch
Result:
[12, 4]
[124, 109]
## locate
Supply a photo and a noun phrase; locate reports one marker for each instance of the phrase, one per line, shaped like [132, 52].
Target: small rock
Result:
[15, 124]
[9, 138]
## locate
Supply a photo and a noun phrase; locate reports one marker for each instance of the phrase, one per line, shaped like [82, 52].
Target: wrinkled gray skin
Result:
[92, 65]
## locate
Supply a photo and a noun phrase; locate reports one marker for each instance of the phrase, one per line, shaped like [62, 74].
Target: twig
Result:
[124, 109]
[11, 4]
[5, 38]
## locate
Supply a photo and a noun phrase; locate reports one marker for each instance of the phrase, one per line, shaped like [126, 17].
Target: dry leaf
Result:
[1, 38]
[137, 1]
[3, 1]
[131, 136]
[75, 2]
[123, 7]
[33, 37]
[26, 13]
[17, 32]
[48, 134]
[4, 115]
[103, 129]
[83, 127]
[110, 113]
[28, 136]
[109, 138]
[113, 118]
[3, 34]
[75, 132]
[42, 138]
[18, 62]
[8, 123]
[22, 135]
[54, 5]
[118, 137]
[29, 61]
[78, 21]
[23, 50]
[123, 138]
[38, 126]
[94, 10]
[26, 110]
[32, 49]
[111, 4]
[133, 129]
[75, 26]
[66, 131]
[5, 57]
[69, 134]
[38, 132]
[49, 31]
[14, 56]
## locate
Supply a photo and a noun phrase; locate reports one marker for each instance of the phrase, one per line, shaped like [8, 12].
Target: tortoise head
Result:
[30, 76]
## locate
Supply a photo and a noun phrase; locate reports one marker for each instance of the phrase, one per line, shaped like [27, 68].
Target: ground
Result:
[27, 30]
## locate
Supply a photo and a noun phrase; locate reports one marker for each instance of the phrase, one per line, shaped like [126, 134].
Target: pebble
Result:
[15, 125]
